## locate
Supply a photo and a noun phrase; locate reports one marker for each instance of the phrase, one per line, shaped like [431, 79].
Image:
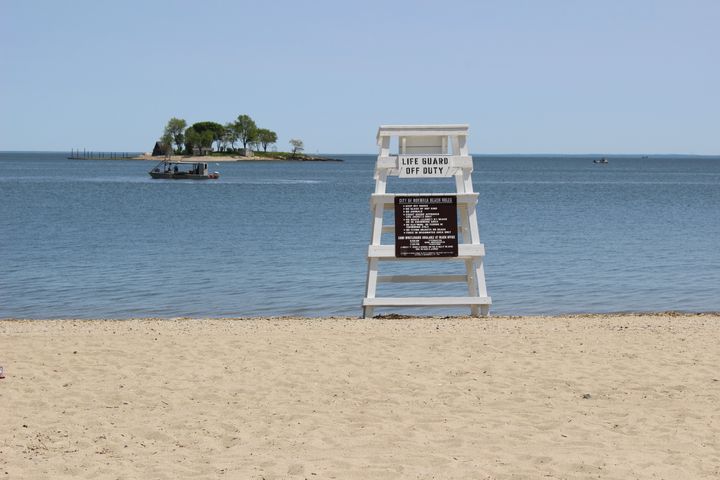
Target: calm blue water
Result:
[100, 239]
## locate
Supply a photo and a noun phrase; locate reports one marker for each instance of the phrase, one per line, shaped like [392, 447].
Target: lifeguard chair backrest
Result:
[427, 145]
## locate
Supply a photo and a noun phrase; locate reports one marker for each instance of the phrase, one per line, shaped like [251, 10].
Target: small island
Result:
[220, 143]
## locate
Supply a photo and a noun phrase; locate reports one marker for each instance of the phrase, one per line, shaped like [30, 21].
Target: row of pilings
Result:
[77, 154]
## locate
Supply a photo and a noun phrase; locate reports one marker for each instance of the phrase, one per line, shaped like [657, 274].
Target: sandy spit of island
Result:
[600, 396]
[228, 158]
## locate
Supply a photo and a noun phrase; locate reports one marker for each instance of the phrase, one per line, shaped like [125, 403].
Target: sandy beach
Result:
[601, 396]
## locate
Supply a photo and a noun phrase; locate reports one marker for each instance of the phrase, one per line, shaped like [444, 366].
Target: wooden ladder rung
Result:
[387, 252]
[425, 301]
[421, 278]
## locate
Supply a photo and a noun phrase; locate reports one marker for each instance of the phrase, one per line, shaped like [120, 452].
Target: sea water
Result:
[101, 239]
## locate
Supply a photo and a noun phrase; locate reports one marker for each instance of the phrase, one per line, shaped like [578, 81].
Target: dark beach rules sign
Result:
[424, 165]
[426, 226]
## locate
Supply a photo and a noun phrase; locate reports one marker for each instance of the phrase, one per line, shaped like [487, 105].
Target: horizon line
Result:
[538, 154]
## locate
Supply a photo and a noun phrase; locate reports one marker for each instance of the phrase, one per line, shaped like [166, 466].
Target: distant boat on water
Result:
[601, 161]
[183, 171]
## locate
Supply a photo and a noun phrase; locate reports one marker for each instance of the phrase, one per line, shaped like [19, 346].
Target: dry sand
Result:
[610, 397]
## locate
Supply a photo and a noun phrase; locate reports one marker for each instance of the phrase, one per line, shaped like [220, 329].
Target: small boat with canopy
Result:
[183, 170]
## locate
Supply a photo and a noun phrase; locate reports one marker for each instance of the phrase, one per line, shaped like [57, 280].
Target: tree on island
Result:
[246, 129]
[297, 146]
[164, 146]
[216, 130]
[192, 140]
[175, 133]
[201, 135]
[231, 134]
[266, 137]
[195, 139]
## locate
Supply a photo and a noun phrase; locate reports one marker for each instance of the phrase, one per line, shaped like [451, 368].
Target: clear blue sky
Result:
[619, 76]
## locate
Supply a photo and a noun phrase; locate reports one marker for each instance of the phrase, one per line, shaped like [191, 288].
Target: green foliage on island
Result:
[297, 145]
[266, 137]
[214, 139]
[210, 138]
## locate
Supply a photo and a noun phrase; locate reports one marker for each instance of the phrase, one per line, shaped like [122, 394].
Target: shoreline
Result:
[229, 158]
[381, 317]
[615, 396]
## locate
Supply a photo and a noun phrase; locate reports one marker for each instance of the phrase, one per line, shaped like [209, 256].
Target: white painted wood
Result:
[370, 285]
[380, 173]
[462, 140]
[377, 225]
[467, 182]
[421, 278]
[471, 284]
[384, 145]
[455, 144]
[459, 143]
[376, 234]
[423, 144]
[388, 251]
[427, 140]
[392, 162]
[459, 184]
[480, 276]
[425, 301]
[420, 130]
[463, 225]
[470, 262]
[381, 181]
[474, 230]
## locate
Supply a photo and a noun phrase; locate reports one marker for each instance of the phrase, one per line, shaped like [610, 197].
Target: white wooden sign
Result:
[425, 166]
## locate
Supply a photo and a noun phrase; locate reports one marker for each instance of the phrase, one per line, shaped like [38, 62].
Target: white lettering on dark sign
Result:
[426, 226]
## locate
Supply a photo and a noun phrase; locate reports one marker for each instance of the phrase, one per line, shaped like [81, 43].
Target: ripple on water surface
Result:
[100, 239]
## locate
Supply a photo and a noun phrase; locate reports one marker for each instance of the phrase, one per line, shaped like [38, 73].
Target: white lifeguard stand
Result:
[426, 142]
